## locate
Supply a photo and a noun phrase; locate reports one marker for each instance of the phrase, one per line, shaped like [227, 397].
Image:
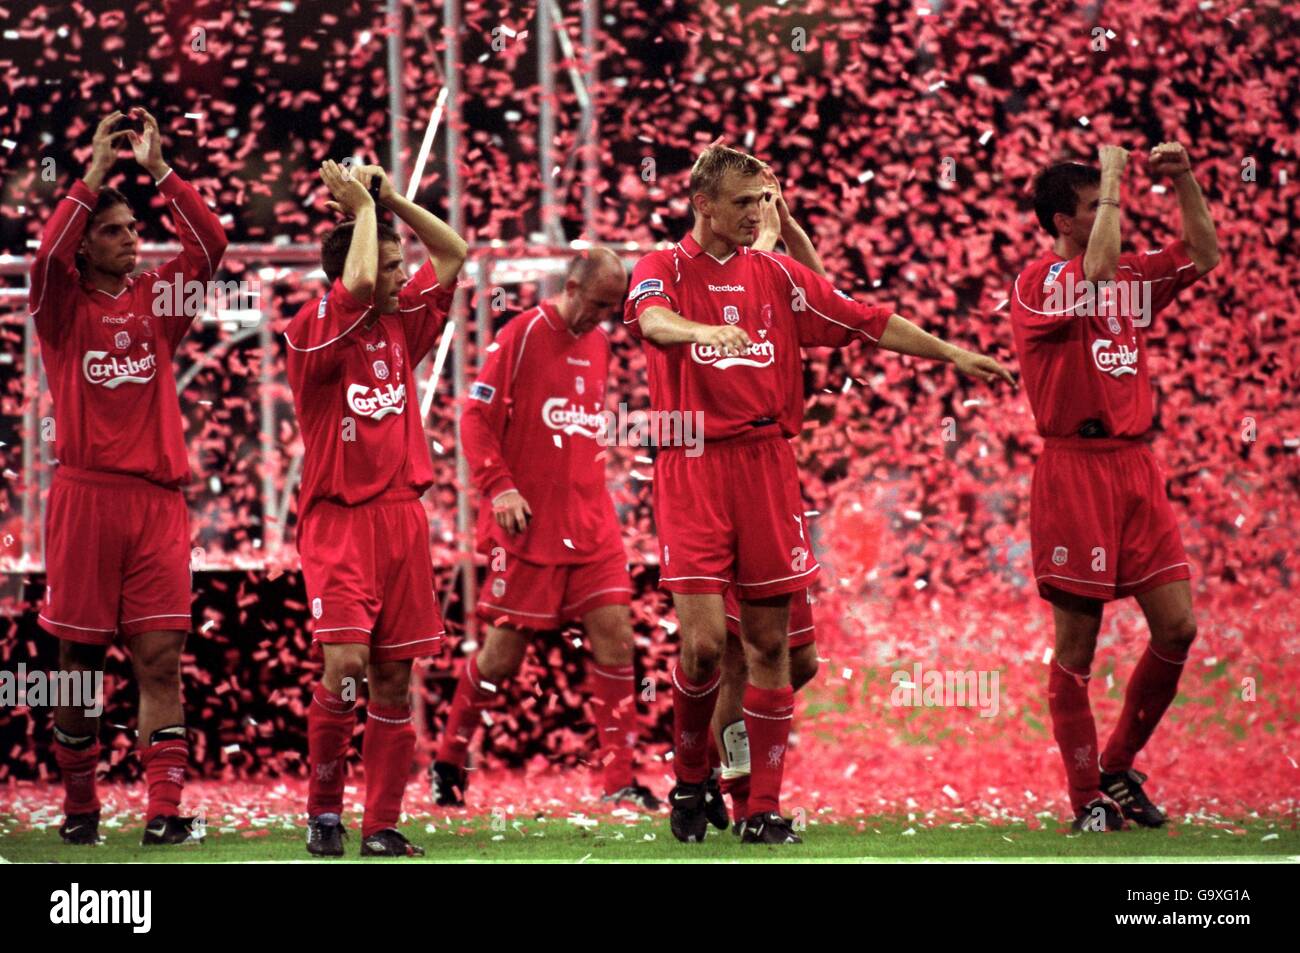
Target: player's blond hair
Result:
[714, 163]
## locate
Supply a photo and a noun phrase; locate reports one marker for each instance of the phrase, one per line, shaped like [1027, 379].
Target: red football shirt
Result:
[531, 423]
[1083, 354]
[354, 391]
[781, 304]
[109, 358]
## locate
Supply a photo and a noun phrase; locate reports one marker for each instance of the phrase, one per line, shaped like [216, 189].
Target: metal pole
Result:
[396, 116]
[31, 415]
[456, 219]
[591, 139]
[482, 309]
[546, 125]
[272, 531]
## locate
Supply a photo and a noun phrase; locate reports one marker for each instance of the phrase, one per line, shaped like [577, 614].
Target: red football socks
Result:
[386, 753]
[613, 704]
[737, 789]
[1152, 687]
[330, 723]
[466, 714]
[78, 765]
[1075, 732]
[164, 772]
[768, 714]
[692, 712]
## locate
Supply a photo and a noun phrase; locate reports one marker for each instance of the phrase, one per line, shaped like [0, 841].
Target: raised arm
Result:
[361, 267]
[446, 249]
[1102, 254]
[54, 269]
[779, 223]
[1170, 158]
[203, 240]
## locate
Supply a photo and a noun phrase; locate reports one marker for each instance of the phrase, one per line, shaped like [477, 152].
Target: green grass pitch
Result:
[581, 839]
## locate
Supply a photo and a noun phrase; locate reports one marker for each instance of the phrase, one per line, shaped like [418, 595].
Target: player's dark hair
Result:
[109, 197]
[1056, 189]
[714, 163]
[334, 246]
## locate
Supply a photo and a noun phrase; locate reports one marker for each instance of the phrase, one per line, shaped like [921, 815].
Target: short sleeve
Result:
[313, 335]
[1169, 270]
[423, 306]
[654, 281]
[825, 316]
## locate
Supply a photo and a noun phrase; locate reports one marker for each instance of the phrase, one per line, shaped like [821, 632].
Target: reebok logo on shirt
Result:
[758, 354]
[115, 372]
[740, 288]
[1116, 363]
[377, 402]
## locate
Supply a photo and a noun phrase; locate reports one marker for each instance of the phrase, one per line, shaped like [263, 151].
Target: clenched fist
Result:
[1112, 158]
[1169, 158]
[728, 339]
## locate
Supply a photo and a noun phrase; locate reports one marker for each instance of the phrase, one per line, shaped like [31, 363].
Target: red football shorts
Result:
[117, 557]
[733, 515]
[369, 576]
[802, 631]
[1099, 522]
[529, 595]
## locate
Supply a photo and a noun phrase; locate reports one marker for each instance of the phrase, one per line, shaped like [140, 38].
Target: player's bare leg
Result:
[164, 747]
[386, 753]
[613, 702]
[477, 688]
[696, 800]
[1078, 620]
[1152, 686]
[331, 721]
[77, 749]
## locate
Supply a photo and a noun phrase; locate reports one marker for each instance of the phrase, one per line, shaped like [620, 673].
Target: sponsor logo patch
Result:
[758, 354]
[1052, 273]
[648, 285]
[113, 372]
[483, 392]
[1116, 362]
[559, 413]
[376, 402]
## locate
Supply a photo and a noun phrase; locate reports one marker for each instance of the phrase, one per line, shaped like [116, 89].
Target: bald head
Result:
[594, 286]
[595, 264]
